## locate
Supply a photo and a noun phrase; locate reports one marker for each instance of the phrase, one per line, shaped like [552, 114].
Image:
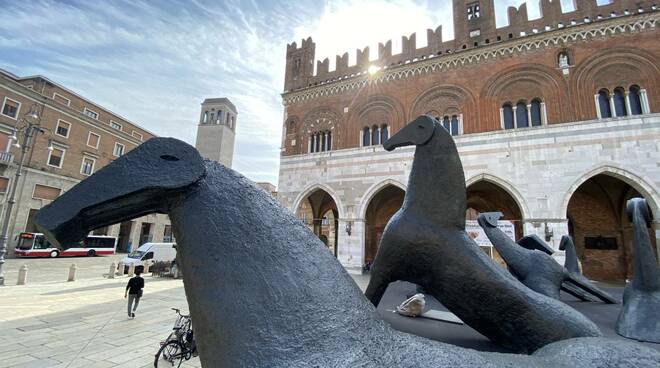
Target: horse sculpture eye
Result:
[420, 126]
[169, 158]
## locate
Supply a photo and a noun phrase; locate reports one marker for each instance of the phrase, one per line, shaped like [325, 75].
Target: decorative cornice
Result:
[568, 34]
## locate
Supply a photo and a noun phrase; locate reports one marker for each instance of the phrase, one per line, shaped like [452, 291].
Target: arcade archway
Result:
[485, 196]
[600, 228]
[382, 206]
[319, 211]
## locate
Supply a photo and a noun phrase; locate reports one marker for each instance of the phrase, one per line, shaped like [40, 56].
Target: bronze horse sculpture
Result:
[425, 243]
[262, 289]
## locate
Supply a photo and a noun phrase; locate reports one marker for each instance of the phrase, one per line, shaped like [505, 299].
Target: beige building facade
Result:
[84, 137]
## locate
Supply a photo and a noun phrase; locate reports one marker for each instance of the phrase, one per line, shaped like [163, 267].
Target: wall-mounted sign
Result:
[475, 231]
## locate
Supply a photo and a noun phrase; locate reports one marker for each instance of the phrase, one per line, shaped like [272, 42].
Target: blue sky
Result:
[154, 62]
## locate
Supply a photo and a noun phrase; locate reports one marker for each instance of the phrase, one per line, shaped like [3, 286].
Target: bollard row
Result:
[73, 271]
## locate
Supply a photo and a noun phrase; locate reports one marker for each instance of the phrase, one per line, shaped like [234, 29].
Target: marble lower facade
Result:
[557, 179]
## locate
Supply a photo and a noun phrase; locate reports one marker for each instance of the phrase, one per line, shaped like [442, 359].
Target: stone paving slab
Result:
[84, 323]
[57, 324]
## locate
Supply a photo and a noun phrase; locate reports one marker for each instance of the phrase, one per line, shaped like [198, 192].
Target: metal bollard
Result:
[72, 272]
[22, 275]
[131, 269]
[113, 269]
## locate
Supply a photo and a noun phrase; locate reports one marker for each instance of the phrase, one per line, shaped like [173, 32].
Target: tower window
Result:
[604, 104]
[473, 11]
[451, 124]
[521, 115]
[620, 102]
[635, 100]
[374, 135]
[366, 137]
[383, 134]
[535, 112]
[507, 116]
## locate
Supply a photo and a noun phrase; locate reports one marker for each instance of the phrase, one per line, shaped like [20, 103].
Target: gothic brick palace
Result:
[556, 119]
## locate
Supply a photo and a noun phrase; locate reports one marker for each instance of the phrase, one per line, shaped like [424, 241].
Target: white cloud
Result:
[347, 25]
[154, 62]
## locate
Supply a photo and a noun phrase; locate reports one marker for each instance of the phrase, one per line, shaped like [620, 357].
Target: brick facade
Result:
[560, 61]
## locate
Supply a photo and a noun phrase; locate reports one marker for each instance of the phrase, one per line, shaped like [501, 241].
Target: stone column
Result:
[529, 115]
[515, 116]
[544, 114]
[645, 101]
[656, 227]
[501, 117]
[628, 111]
[597, 101]
[309, 144]
[612, 106]
[350, 248]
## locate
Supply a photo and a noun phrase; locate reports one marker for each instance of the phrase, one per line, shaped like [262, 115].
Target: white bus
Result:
[36, 245]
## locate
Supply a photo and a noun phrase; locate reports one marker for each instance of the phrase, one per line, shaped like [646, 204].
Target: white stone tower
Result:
[216, 130]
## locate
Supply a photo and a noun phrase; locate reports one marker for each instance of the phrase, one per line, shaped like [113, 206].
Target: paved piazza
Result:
[59, 324]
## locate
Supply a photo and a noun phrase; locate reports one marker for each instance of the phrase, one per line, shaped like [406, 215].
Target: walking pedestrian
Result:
[134, 292]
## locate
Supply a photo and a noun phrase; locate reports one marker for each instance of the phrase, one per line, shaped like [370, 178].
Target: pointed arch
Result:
[373, 190]
[311, 189]
[637, 182]
[506, 186]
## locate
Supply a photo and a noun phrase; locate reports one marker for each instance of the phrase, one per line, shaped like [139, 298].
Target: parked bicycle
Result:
[179, 345]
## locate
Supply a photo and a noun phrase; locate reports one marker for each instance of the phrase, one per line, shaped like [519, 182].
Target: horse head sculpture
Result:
[262, 289]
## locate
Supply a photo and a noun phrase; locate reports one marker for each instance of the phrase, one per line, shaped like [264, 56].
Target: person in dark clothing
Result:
[134, 292]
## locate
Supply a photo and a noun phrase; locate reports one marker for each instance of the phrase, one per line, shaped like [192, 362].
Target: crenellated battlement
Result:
[473, 27]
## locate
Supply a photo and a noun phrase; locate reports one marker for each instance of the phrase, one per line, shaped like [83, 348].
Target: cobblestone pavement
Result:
[83, 323]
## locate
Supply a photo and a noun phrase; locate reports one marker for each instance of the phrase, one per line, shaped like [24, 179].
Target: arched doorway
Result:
[485, 196]
[319, 211]
[599, 225]
[381, 208]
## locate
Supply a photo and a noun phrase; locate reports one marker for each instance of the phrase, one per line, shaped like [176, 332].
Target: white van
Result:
[150, 252]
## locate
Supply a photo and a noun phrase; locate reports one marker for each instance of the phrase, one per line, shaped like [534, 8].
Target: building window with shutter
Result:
[56, 157]
[87, 166]
[118, 150]
[10, 108]
[63, 128]
[93, 140]
[90, 113]
[46, 192]
[115, 125]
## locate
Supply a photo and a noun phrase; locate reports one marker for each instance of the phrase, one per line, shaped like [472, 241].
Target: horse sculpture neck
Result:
[444, 207]
[647, 272]
[254, 268]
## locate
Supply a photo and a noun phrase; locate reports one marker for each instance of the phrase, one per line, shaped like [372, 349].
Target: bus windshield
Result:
[137, 254]
[25, 243]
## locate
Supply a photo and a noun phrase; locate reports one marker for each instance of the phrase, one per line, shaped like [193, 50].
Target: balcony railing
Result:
[6, 158]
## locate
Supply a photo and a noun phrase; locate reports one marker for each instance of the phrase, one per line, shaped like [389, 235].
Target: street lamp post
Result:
[32, 126]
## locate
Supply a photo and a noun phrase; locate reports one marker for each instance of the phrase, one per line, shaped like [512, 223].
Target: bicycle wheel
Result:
[171, 354]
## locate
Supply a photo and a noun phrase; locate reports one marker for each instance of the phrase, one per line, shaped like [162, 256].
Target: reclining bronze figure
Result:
[263, 290]
[535, 267]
